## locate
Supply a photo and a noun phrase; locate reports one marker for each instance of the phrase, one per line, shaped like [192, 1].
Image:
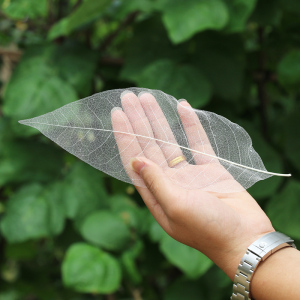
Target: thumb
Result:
[155, 179]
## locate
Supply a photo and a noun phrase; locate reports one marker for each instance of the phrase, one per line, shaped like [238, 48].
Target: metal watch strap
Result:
[257, 252]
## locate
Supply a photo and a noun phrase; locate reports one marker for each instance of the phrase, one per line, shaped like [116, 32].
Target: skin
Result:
[220, 225]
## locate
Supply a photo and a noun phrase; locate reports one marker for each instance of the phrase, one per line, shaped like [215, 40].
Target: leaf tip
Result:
[23, 122]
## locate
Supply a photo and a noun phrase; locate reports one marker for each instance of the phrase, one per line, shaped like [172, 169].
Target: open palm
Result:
[221, 225]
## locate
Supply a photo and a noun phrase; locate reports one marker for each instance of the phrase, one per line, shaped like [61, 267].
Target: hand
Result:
[220, 225]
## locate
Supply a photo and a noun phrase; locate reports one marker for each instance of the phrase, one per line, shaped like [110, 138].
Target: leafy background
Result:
[69, 231]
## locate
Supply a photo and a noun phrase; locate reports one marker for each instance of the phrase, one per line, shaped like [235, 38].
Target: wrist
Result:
[234, 255]
[277, 270]
[257, 253]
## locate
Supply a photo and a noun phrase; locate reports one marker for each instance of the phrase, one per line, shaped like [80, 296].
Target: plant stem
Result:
[261, 83]
[110, 38]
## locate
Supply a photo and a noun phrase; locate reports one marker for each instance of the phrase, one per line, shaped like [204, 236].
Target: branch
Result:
[29, 22]
[9, 56]
[266, 75]
[136, 294]
[76, 5]
[261, 83]
[110, 38]
[111, 61]
[13, 55]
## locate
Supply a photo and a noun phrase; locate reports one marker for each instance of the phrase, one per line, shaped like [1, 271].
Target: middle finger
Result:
[161, 128]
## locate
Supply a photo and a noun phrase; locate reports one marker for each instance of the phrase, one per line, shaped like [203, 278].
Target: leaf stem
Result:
[162, 141]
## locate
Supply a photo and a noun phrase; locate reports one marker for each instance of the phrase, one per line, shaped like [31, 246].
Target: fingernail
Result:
[116, 108]
[137, 165]
[183, 102]
[125, 93]
[142, 93]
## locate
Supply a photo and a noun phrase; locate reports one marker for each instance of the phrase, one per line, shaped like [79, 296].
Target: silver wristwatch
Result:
[257, 252]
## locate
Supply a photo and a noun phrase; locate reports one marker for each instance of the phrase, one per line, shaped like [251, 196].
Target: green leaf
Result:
[127, 209]
[185, 18]
[178, 80]
[56, 212]
[106, 230]
[35, 88]
[216, 283]
[83, 191]
[149, 43]
[189, 260]
[87, 12]
[221, 59]
[129, 265]
[6, 134]
[47, 78]
[31, 214]
[184, 289]
[290, 6]
[35, 94]
[10, 295]
[76, 65]
[289, 70]
[124, 8]
[21, 251]
[291, 142]
[267, 12]
[21, 9]
[284, 210]
[90, 270]
[59, 29]
[156, 233]
[239, 12]
[25, 161]
[131, 269]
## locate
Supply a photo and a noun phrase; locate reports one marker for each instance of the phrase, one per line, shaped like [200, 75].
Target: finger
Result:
[196, 134]
[129, 147]
[127, 143]
[158, 183]
[161, 128]
[141, 126]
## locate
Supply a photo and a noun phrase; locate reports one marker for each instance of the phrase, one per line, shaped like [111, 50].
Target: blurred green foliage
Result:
[69, 231]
